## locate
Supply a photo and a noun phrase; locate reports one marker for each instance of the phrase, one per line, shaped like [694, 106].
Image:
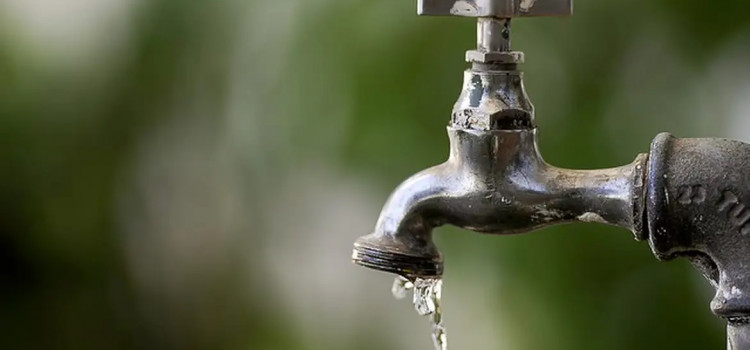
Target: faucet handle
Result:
[495, 8]
[493, 24]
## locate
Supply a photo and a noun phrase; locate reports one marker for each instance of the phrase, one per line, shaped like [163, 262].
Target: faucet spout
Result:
[495, 182]
[402, 240]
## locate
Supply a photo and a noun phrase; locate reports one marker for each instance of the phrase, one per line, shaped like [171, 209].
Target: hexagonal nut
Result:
[507, 119]
[494, 57]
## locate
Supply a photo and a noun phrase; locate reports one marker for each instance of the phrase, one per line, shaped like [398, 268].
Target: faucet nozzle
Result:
[404, 258]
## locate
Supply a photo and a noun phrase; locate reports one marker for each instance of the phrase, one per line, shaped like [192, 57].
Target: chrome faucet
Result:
[687, 197]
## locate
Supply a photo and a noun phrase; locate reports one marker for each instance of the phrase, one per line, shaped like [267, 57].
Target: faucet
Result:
[688, 198]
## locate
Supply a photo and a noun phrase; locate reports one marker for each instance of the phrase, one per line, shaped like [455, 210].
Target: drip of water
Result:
[401, 287]
[427, 292]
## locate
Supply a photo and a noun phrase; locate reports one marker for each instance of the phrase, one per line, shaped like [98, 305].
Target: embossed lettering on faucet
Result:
[738, 213]
[691, 195]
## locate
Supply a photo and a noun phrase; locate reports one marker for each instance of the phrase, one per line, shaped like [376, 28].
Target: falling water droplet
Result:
[401, 287]
[427, 294]
[424, 300]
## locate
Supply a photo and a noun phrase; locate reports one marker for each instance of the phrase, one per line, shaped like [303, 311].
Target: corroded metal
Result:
[495, 182]
[738, 336]
[493, 98]
[697, 208]
[493, 34]
[688, 197]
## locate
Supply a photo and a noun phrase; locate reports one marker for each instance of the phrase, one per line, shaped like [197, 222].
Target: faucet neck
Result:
[493, 97]
[493, 34]
[507, 164]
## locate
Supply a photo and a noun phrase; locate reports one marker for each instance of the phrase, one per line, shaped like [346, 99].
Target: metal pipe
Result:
[493, 34]
[738, 336]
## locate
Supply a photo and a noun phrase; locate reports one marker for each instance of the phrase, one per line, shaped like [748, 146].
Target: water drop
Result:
[424, 295]
[401, 287]
[427, 294]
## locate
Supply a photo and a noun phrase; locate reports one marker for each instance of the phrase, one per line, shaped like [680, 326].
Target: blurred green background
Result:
[191, 174]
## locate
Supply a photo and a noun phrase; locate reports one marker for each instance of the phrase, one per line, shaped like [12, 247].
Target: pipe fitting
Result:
[698, 208]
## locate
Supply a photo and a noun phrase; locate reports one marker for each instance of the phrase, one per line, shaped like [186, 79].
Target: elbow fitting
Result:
[698, 209]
